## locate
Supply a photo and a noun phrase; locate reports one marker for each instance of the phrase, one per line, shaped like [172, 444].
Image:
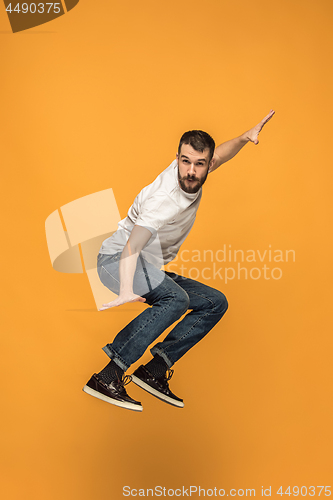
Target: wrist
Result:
[244, 138]
[125, 289]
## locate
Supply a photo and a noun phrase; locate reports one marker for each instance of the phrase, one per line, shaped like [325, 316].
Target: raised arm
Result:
[227, 150]
[127, 265]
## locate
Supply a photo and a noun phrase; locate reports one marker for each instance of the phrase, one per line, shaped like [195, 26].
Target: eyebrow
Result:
[200, 159]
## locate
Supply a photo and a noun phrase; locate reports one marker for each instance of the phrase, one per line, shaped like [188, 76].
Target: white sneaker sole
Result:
[155, 393]
[98, 395]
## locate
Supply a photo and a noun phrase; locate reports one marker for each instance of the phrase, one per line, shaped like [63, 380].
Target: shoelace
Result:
[125, 380]
[168, 374]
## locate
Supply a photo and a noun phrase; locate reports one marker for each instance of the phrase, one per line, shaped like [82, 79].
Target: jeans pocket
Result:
[106, 258]
[108, 279]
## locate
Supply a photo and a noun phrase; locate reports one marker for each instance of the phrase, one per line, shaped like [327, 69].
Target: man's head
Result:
[195, 154]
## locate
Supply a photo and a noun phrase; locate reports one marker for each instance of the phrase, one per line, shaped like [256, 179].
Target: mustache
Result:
[190, 178]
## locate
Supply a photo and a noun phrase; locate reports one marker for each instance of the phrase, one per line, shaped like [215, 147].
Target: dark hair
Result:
[199, 141]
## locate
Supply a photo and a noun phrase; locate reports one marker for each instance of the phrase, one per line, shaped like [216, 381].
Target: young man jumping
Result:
[129, 263]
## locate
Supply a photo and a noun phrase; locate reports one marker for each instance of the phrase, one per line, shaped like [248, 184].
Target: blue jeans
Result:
[169, 296]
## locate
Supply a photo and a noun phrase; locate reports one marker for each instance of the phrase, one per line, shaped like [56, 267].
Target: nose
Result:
[191, 169]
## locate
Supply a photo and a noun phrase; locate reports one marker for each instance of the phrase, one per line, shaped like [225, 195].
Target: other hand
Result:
[252, 134]
[123, 299]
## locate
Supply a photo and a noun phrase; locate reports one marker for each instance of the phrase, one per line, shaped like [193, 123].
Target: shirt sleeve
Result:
[156, 212]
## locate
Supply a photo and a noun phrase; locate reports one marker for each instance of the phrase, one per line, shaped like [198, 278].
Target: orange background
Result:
[98, 98]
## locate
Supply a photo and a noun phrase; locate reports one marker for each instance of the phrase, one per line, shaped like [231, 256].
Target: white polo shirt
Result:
[163, 208]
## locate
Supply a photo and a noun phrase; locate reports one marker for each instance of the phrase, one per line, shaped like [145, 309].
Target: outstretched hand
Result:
[122, 299]
[252, 134]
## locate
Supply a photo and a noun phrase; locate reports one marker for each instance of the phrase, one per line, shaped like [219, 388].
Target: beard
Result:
[194, 186]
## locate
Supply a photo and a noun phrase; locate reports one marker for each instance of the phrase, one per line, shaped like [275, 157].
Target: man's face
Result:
[192, 168]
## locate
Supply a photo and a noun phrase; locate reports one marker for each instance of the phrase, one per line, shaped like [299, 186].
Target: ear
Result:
[211, 164]
[177, 156]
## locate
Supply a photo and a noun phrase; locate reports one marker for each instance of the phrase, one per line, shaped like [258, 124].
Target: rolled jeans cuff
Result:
[156, 350]
[115, 357]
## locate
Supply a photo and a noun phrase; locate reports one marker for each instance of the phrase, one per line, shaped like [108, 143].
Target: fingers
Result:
[270, 114]
[138, 299]
[268, 117]
[109, 305]
[117, 302]
[264, 121]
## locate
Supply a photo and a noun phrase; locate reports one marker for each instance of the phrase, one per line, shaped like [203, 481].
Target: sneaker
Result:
[158, 387]
[114, 393]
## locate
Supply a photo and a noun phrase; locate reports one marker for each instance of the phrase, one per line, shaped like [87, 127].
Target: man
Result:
[129, 264]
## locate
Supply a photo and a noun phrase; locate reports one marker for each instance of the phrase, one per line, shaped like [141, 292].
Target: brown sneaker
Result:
[114, 393]
[158, 387]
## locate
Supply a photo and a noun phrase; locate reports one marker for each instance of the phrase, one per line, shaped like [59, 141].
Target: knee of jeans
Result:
[181, 301]
[220, 302]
